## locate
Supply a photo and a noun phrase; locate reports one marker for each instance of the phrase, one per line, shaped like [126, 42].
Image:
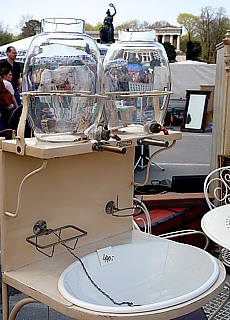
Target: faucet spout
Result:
[151, 142]
[106, 147]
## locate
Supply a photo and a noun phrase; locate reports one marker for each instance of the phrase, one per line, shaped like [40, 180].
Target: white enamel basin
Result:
[151, 274]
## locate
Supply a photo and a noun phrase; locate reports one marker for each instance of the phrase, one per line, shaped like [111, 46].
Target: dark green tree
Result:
[131, 24]
[30, 28]
[211, 29]
[158, 24]
[208, 29]
[188, 21]
[193, 50]
[183, 43]
[5, 36]
[89, 27]
[170, 51]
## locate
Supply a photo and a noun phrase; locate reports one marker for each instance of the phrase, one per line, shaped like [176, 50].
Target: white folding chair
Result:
[169, 235]
[219, 305]
[217, 193]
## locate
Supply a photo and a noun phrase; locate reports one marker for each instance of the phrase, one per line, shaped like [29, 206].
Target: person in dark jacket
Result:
[14, 66]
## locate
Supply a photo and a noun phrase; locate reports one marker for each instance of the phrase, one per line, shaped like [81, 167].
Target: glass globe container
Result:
[63, 74]
[137, 82]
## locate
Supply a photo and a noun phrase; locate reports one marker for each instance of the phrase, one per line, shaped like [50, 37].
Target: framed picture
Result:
[195, 110]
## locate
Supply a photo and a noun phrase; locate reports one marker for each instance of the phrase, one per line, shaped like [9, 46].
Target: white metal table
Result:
[216, 225]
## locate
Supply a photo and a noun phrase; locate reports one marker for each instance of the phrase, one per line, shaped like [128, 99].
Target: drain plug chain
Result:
[128, 303]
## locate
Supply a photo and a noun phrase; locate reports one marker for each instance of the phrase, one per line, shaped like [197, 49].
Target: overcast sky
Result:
[94, 11]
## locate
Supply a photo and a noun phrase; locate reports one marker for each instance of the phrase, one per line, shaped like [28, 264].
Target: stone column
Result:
[178, 43]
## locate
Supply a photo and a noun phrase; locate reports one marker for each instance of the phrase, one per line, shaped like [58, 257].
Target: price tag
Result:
[106, 256]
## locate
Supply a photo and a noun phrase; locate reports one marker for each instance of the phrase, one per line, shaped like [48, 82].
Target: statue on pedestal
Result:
[107, 30]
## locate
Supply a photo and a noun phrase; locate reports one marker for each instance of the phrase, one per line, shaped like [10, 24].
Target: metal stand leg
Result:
[5, 301]
[157, 165]
[140, 161]
[19, 305]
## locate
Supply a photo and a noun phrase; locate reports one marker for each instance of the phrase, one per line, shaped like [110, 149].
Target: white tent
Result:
[60, 50]
[190, 75]
[23, 45]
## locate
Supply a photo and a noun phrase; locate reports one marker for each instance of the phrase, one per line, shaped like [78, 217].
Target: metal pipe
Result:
[5, 301]
[146, 141]
[149, 164]
[19, 305]
[30, 174]
[104, 147]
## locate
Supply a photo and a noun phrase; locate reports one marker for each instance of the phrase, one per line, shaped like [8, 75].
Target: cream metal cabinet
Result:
[67, 184]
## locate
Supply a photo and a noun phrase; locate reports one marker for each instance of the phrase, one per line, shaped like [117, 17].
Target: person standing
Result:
[2, 102]
[10, 63]
[6, 75]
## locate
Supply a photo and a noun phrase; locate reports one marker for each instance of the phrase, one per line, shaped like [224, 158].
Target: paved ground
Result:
[191, 155]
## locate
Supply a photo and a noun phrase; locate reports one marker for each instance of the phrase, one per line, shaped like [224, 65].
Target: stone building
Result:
[171, 34]
[167, 33]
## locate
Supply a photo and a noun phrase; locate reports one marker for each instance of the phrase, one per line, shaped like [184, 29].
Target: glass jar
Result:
[63, 66]
[137, 82]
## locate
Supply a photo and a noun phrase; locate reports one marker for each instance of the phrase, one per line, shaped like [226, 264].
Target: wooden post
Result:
[221, 115]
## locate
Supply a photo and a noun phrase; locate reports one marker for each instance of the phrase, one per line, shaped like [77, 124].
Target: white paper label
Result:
[106, 256]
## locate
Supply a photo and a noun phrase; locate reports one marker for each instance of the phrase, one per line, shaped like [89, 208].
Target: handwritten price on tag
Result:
[106, 256]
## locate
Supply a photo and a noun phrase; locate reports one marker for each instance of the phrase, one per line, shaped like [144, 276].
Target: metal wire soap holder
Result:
[45, 238]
